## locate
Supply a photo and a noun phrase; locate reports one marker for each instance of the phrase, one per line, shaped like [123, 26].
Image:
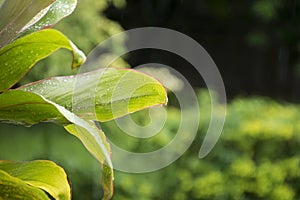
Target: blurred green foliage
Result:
[266, 9]
[257, 156]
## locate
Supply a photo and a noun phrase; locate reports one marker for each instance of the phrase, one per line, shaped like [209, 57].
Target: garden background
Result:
[256, 46]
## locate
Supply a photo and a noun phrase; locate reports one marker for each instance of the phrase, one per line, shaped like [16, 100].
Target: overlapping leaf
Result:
[116, 92]
[15, 14]
[102, 95]
[44, 175]
[57, 11]
[25, 108]
[92, 146]
[13, 188]
[17, 106]
[21, 55]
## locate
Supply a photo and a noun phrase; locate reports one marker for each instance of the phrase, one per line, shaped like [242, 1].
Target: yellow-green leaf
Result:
[102, 95]
[17, 106]
[15, 189]
[17, 58]
[41, 174]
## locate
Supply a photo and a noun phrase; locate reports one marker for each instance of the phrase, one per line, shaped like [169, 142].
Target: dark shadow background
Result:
[255, 44]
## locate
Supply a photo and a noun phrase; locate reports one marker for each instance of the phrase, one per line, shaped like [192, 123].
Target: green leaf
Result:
[102, 95]
[107, 182]
[26, 108]
[44, 175]
[95, 142]
[91, 145]
[57, 11]
[17, 106]
[118, 92]
[15, 14]
[17, 58]
[15, 189]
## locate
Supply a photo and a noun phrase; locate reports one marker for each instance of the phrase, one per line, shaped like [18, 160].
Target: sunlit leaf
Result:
[21, 55]
[17, 106]
[102, 95]
[95, 142]
[20, 107]
[15, 14]
[25, 108]
[93, 147]
[57, 11]
[45, 175]
[117, 92]
[15, 189]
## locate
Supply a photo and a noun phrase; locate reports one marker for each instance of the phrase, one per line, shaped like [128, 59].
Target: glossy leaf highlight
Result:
[21, 55]
[57, 11]
[102, 95]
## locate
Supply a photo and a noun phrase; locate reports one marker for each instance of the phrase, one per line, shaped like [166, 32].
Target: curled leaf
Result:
[41, 174]
[20, 107]
[13, 188]
[17, 58]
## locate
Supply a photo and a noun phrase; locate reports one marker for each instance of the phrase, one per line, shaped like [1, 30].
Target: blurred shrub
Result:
[257, 156]
[266, 9]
